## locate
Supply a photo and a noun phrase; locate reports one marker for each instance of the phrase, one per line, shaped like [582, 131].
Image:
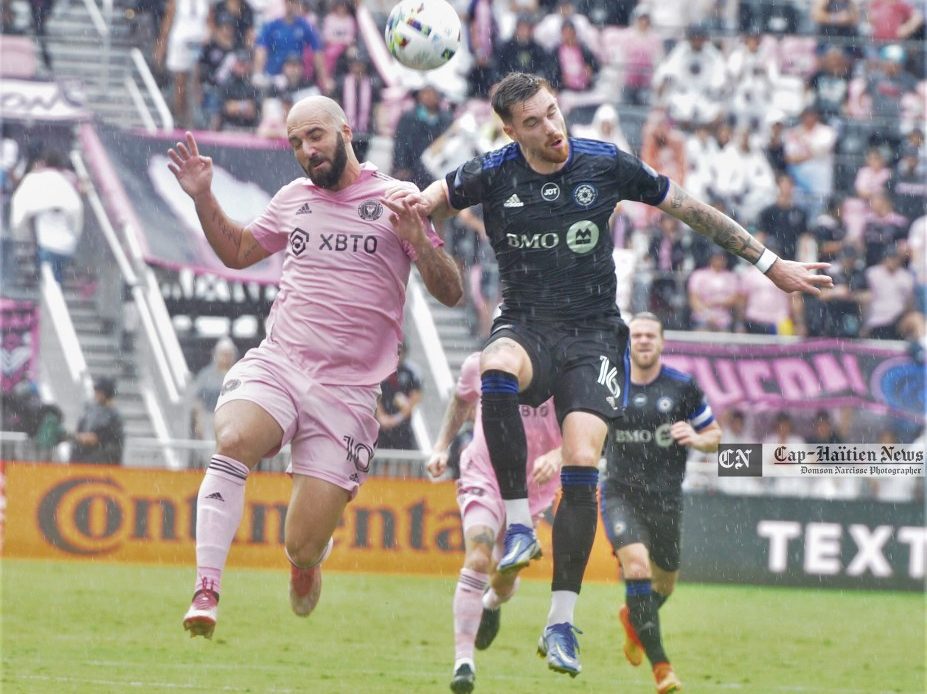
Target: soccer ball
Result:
[423, 34]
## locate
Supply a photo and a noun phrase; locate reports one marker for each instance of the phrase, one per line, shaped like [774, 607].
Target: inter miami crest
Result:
[370, 210]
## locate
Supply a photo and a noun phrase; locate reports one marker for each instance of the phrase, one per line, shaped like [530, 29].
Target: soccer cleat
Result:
[633, 649]
[559, 644]
[520, 547]
[464, 679]
[666, 679]
[489, 627]
[306, 585]
[200, 619]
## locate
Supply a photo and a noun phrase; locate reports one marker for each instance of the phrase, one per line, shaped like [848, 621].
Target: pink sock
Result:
[468, 608]
[219, 507]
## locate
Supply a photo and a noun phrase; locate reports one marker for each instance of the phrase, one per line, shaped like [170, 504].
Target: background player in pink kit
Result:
[332, 336]
[476, 613]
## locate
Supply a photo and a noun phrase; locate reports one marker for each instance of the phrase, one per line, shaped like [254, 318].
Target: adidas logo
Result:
[513, 201]
[215, 495]
[305, 209]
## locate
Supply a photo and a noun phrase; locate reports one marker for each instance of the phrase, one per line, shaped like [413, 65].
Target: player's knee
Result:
[305, 552]
[582, 456]
[478, 561]
[636, 569]
[231, 441]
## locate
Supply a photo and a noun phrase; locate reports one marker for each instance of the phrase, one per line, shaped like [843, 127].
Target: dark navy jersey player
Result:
[546, 201]
[641, 493]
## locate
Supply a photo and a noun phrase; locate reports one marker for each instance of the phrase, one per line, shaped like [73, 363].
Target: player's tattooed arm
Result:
[711, 223]
[440, 274]
[249, 250]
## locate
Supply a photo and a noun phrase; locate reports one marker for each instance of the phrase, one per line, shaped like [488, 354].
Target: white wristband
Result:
[766, 261]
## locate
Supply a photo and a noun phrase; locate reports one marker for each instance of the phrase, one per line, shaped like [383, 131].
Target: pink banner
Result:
[804, 375]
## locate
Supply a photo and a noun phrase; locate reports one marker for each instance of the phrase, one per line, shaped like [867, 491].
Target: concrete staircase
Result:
[454, 327]
[79, 56]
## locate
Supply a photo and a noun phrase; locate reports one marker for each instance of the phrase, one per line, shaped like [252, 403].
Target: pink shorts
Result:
[332, 430]
[479, 499]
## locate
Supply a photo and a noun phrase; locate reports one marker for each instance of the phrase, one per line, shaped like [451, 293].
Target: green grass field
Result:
[97, 627]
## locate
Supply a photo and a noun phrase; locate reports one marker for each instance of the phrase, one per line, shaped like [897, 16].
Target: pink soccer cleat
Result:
[306, 585]
[200, 619]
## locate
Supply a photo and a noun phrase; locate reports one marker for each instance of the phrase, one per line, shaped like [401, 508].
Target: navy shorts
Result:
[584, 366]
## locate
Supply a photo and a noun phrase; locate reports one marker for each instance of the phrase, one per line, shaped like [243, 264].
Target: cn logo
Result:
[740, 460]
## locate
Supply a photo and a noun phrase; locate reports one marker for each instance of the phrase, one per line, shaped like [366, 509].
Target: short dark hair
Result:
[515, 88]
[647, 315]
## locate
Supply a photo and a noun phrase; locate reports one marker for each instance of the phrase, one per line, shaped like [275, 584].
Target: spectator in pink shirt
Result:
[874, 176]
[891, 288]
[642, 49]
[339, 31]
[575, 65]
[894, 20]
[713, 293]
[765, 310]
[332, 336]
[884, 227]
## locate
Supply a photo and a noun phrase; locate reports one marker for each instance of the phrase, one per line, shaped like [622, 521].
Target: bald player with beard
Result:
[333, 335]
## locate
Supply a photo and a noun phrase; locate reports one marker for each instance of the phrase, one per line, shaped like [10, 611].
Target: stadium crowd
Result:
[804, 119]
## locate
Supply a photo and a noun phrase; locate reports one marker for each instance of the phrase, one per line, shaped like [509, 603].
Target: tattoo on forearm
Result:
[440, 274]
[715, 225]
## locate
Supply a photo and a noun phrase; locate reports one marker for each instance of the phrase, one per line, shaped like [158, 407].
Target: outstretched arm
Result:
[235, 245]
[438, 269]
[788, 275]
[458, 411]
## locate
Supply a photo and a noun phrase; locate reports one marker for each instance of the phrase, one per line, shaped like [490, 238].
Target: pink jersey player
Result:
[332, 336]
[481, 590]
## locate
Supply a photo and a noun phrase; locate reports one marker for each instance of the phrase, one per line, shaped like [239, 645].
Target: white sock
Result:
[461, 661]
[517, 511]
[562, 603]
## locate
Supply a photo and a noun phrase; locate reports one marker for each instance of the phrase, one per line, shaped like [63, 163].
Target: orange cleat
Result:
[666, 679]
[633, 650]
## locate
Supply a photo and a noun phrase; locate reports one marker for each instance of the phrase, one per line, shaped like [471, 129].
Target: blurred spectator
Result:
[240, 99]
[484, 286]
[780, 17]
[483, 36]
[838, 312]
[522, 53]
[184, 32]
[891, 289]
[207, 386]
[809, 152]
[215, 66]
[41, 11]
[897, 489]
[888, 87]
[642, 51]
[836, 18]
[670, 259]
[917, 249]
[766, 309]
[909, 182]
[783, 222]
[47, 208]
[663, 146]
[99, 436]
[894, 20]
[359, 93]
[401, 394]
[823, 430]
[828, 231]
[575, 66]
[753, 74]
[605, 127]
[713, 294]
[874, 177]
[744, 180]
[241, 17]
[547, 32]
[417, 129]
[8, 23]
[278, 39]
[292, 80]
[339, 31]
[691, 80]
[829, 86]
[783, 433]
[775, 144]
[883, 228]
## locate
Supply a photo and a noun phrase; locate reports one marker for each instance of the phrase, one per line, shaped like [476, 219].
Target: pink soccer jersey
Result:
[542, 434]
[338, 313]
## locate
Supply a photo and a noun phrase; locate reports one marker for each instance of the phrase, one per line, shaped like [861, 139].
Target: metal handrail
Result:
[140, 106]
[148, 79]
[64, 326]
[431, 341]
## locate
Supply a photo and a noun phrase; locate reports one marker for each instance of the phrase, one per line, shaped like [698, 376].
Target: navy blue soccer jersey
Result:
[640, 452]
[550, 231]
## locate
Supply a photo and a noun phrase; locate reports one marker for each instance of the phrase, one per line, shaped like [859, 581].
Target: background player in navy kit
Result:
[641, 493]
[546, 201]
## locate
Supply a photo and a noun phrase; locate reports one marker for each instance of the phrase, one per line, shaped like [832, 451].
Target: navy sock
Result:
[505, 433]
[642, 608]
[574, 526]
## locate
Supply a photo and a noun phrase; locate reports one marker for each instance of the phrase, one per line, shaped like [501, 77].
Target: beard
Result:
[330, 178]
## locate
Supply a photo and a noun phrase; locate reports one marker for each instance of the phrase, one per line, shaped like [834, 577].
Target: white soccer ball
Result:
[423, 34]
